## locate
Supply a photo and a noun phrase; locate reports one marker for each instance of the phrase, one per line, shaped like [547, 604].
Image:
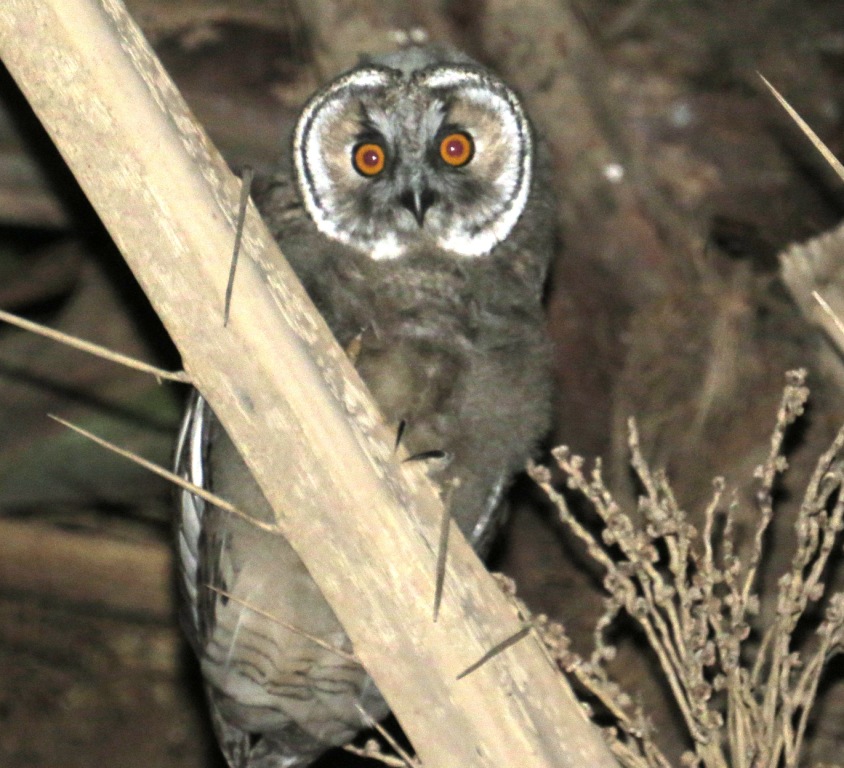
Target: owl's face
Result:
[390, 160]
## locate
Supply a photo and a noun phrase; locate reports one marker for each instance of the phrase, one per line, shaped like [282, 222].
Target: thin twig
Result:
[793, 399]
[245, 188]
[93, 349]
[387, 736]
[495, 650]
[804, 126]
[671, 631]
[399, 430]
[829, 311]
[369, 754]
[167, 475]
[442, 552]
[294, 629]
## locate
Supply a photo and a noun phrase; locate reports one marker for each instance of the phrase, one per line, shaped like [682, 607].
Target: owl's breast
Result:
[456, 348]
[412, 297]
[416, 381]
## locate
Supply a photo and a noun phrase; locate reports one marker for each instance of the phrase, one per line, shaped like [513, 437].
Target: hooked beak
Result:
[418, 200]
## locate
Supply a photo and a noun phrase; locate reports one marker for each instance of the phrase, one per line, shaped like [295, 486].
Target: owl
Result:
[414, 210]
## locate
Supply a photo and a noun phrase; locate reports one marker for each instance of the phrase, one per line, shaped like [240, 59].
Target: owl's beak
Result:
[418, 201]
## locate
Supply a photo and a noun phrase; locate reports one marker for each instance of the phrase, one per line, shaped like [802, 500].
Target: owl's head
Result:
[412, 153]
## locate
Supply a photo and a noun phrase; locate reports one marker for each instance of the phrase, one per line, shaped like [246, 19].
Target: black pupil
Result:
[371, 158]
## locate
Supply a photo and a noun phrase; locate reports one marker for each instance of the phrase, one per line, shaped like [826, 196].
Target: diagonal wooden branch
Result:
[365, 525]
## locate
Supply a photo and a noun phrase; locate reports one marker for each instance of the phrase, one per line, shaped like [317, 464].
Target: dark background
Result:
[680, 181]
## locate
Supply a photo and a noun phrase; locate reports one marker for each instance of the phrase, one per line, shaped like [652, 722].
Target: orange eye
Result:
[369, 158]
[457, 149]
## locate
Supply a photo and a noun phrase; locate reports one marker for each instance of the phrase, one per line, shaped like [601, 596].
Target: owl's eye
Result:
[457, 149]
[369, 158]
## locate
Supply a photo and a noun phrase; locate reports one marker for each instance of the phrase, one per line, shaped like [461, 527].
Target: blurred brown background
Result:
[680, 180]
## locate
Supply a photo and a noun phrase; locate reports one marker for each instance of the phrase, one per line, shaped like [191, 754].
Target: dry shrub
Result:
[745, 691]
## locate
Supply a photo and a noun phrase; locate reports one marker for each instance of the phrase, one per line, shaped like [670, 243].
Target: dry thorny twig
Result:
[745, 703]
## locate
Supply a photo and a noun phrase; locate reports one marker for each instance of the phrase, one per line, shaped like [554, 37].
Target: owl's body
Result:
[433, 269]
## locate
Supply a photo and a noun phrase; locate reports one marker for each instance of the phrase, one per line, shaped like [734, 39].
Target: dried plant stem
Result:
[168, 475]
[829, 311]
[406, 759]
[804, 126]
[245, 188]
[291, 627]
[93, 349]
[791, 407]
[372, 751]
